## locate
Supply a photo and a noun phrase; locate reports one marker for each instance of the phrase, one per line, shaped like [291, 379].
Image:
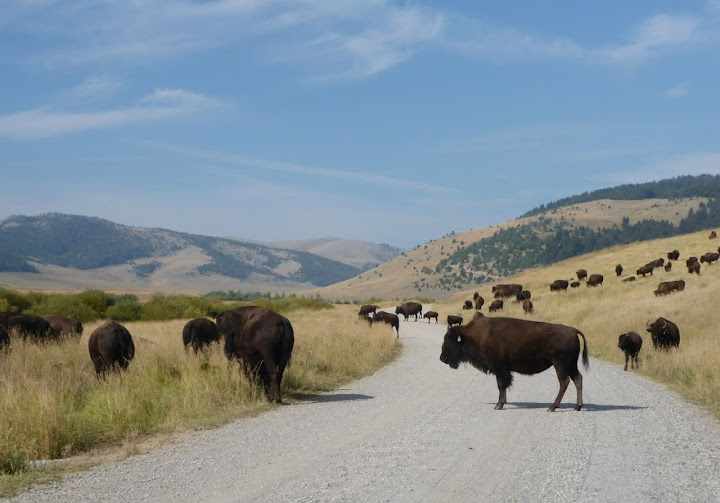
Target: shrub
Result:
[125, 311]
[69, 306]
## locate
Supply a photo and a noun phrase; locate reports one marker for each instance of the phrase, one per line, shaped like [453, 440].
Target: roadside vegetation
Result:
[52, 405]
[603, 313]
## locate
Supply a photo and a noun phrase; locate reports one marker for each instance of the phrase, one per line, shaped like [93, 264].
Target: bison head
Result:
[452, 348]
[622, 341]
[399, 310]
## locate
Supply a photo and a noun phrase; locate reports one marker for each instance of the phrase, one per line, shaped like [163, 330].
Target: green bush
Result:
[97, 300]
[69, 306]
[125, 311]
[14, 302]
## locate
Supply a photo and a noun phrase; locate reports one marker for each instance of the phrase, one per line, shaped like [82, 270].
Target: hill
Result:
[69, 251]
[360, 254]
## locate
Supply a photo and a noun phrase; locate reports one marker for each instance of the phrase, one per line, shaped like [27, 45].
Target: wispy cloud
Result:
[676, 91]
[358, 178]
[43, 122]
[93, 88]
[697, 163]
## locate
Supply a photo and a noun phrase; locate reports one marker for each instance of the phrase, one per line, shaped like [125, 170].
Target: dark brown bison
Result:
[477, 315]
[657, 263]
[501, 346]
[367, 309]
[496, 305]
[629, 278]
[26, 325]
[694, 267]
[479, 302]
[467, 304]
[690, 260]
[664, 334]
[667, 287]
[709, 257]
[525, 294]
[454, 320]
[595, 280]
[713, 235]
[646, 269]
[430, 315]
[668, 267]
[262, 342]
[4, 338]
[111, 348]
[64, 326]
[673, 255]
[618, 270]
[476, 295]
[506, 291]
[574, 284]
[389, 319]
[528, 306]
[559, 285]
[581, 274]
[630, 343]
[410, 309]
[199, 334]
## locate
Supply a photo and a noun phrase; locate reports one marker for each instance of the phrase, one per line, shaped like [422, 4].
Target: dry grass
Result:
[603, 313]
[52, 406]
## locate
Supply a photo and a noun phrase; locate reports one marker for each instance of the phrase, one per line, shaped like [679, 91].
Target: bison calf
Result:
[575, 284]
[431, 314]
[630, 343]
[454, 320]
[199, 334]
[468, 304]
[496, 306]
[528, 306]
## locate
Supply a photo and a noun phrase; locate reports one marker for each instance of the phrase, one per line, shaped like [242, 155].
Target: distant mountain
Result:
[360, 254]
[97, 248]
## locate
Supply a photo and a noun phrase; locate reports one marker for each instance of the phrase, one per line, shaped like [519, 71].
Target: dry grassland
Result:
[52, 406]
[603, 313]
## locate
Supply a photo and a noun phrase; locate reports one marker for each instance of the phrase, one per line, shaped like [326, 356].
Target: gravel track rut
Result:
[420, 431]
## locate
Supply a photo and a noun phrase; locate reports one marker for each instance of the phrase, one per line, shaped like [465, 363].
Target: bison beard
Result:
[501, 346]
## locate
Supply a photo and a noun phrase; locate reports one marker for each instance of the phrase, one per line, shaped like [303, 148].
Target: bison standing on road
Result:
[454, 320]
[388, 319]
[664, 334]
[673, 255]
[409, 309]
[501, 346]
[559, 285]
[667, 287]
[630, 343]
[581, 274]
[64, 326]
[199, 334]
[111, 348]
[496, 306]
[262, 341]
[528, 306]
[430, 315]
[595, 280]
[618, 269]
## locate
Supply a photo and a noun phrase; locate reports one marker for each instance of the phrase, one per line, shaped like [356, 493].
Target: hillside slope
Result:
[360, 254]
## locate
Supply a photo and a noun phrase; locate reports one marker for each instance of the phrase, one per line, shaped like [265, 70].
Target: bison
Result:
[629, 278]
[28, 326]
[668, 267]
[496, 305]
[581, 274]
[646, 269]
[559, 285]
[709, 257]
[525, 294]
[673, 255]
[501, 346]
[657, 263]
[506, 291]
[430, 315]
[409, 309]
[618, 270]
[4, 338]
[595, 280]
[262, 341]
[630, 343]
[690, 260]
[575, 284]
[199, 334]
[468, 304]
[713, 235]
[388, 319]
[664, 334]
[667, 287]
[64, 326]
[694, 267]
[528, 306]
[367, 309]
[111, 348]
[476, 295]
[454, 320]
[479, 302]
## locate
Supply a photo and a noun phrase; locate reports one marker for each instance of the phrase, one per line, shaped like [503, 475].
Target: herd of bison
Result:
[262, 340]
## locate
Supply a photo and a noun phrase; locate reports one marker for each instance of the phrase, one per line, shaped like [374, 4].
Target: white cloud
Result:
[94, 87]
[179, 98]
[676, 91]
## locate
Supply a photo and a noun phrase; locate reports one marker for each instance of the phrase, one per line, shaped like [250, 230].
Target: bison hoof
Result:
[578, 407]
[552, 409]
[499, 406]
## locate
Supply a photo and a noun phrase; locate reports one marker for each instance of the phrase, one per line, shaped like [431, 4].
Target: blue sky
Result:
[383, 121]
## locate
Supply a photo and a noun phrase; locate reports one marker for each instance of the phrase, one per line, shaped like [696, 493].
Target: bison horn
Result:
[664, 323]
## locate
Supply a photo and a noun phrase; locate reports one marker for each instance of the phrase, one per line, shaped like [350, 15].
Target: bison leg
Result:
[564, 380]
[627, 357]
[504, 381]
[578, 379]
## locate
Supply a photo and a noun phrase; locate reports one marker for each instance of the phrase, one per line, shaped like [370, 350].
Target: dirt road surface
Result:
[420, 431]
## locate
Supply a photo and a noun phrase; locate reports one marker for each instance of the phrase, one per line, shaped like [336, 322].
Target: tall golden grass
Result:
[603, 313]
[52, 405]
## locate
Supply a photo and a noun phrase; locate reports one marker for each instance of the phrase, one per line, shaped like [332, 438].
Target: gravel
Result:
[420, 431]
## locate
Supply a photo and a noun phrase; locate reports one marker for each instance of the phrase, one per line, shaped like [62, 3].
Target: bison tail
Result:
[585, 359]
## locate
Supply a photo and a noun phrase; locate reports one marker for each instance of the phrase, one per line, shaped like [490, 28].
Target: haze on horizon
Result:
[373, 120]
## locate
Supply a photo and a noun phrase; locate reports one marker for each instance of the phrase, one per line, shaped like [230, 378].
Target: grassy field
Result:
[52, 406]
[603, 313]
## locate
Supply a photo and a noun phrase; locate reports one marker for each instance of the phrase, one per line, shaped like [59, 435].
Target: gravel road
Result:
[420, 431]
